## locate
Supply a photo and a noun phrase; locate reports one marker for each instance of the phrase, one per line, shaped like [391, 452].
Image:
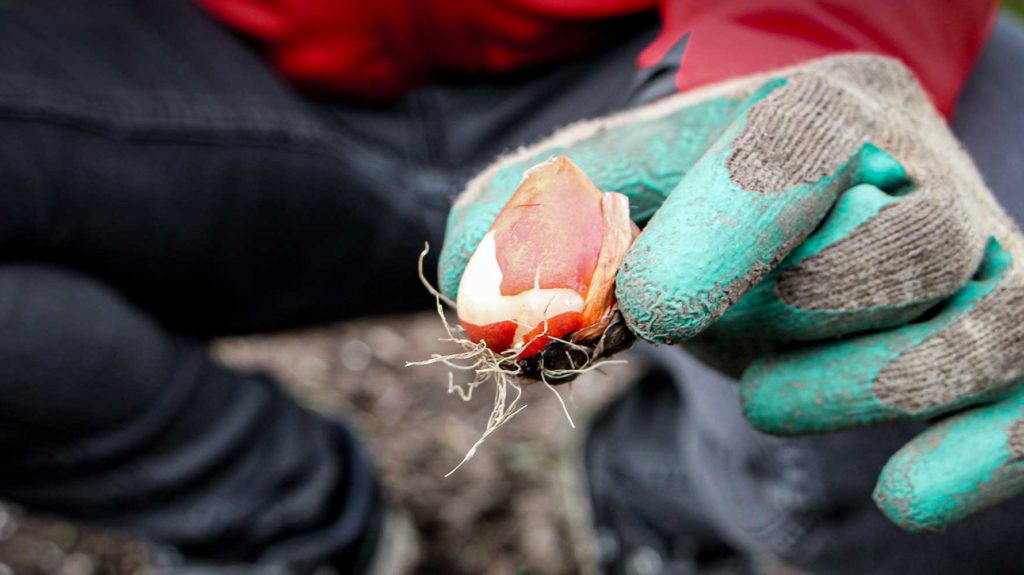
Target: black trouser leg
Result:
[149, 148]
[107, 419]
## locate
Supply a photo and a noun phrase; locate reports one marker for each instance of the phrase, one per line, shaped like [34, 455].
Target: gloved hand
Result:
[791, 209]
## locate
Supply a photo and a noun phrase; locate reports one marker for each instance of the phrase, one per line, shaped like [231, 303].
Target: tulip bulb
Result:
[546, 269]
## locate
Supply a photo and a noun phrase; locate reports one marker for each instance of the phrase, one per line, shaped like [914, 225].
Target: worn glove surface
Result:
[825, 221]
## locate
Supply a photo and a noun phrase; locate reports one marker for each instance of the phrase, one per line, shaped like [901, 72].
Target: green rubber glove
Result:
[808, 218]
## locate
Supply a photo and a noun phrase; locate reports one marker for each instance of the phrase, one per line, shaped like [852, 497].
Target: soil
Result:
[501, 513]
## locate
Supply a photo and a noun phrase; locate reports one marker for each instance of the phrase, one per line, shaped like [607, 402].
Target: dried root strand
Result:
[426, 283]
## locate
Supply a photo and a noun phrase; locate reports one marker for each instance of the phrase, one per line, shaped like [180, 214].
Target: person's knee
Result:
[73, 354]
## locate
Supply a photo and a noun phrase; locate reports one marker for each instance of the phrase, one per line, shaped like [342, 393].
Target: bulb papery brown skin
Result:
[546, 268]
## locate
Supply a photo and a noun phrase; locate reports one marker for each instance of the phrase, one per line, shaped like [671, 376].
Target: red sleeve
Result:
[381, 48]
[939, 41]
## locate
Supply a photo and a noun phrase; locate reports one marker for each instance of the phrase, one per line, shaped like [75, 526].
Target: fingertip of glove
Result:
[764, 412]
[752, 402]
[896, 499]
[653, 313]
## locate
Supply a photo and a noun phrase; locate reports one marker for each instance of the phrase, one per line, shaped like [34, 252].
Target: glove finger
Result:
[962, 465]
[754, 195]
[966, 354]
[880, 259]
[641, 153]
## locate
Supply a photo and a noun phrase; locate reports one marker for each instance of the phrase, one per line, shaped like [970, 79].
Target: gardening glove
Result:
[784, 212]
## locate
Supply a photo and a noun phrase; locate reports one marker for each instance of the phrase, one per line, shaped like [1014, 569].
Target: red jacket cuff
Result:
[939, 42]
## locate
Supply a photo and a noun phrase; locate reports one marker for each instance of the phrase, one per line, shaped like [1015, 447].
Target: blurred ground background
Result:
[499, 514]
